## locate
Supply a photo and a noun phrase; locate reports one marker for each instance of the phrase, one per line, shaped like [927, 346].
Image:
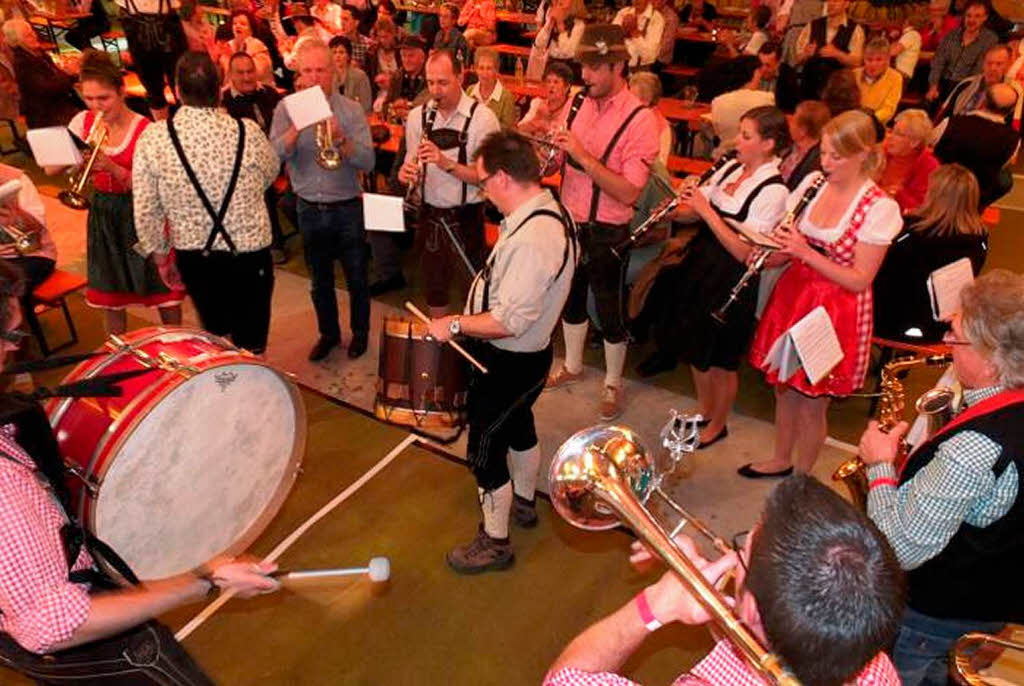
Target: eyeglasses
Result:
[485, 179]
[950, 338]
[739, 544]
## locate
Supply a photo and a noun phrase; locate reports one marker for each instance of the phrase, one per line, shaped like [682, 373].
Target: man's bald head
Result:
[1000, 98]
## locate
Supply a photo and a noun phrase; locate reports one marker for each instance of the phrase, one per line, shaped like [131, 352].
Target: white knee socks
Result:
[614, 363]
[575, 339]
[496, 506]
[523, 466]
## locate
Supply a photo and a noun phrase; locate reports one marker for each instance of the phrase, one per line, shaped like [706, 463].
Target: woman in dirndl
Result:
[118, 275]
[746, 193]
[834, 252]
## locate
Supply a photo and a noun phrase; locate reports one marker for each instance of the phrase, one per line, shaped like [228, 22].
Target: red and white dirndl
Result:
[799, 290]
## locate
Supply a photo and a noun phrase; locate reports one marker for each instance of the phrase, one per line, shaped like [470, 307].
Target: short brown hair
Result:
[811, 116]
[509, 152]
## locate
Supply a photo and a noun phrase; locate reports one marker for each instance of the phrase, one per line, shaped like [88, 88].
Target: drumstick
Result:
[462, 351]
[378, 569]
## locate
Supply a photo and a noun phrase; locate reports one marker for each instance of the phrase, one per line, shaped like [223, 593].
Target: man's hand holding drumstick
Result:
[444, 329]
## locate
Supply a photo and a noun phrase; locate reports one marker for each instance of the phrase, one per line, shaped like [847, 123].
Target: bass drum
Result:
[192, 461]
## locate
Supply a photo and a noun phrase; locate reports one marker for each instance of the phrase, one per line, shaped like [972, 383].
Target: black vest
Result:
[975, 574]
[819, 30]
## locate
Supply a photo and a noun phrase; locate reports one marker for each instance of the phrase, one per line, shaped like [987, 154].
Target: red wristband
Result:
[882, 481]
[646, 616]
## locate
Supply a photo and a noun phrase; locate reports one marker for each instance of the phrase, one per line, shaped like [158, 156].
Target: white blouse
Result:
[882, 223]
[564, 45]
[766, 209]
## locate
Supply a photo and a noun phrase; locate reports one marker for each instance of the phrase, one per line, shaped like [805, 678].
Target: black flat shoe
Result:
[749, 472]
[707, 444]
[322, 348]
[392, 283]
[656, 363]
[357, 346]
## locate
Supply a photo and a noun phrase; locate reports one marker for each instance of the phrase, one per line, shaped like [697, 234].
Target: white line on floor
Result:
[303, 528]
[842, 445]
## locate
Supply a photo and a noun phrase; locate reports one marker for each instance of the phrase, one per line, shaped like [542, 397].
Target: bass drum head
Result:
[203, 472]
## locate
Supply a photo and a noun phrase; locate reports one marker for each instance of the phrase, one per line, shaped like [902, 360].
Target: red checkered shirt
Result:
[39, 607]
[723, 666]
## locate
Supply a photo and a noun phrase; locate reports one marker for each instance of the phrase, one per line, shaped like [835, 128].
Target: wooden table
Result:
[506, 16]
[392, 143]
[675, 109]
[52, 22]
[528, 89]
[688, 34]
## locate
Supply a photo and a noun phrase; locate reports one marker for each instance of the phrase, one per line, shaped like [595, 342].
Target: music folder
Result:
[811, 344]
[307, 107]
[53, 147]
[944, 286]
[761, 240]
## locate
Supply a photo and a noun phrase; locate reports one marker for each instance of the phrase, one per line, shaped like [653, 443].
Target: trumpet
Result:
[937, 404]
[759, 253]
[968, 659]
[691, 184]
[74, 197]
[327, 155]
[602, 475]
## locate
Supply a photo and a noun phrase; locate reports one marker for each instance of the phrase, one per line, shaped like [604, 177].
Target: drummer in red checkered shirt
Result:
[61, 619]
[819, 586]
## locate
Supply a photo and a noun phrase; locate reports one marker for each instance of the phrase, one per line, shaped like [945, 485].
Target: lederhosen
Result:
[684, 297]
[155, 41]
[440, 258]
[817, 69]
[500, 402]
[146, 654]
[231, 289]
[600, 269]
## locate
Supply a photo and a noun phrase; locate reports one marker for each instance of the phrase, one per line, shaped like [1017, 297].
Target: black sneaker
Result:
[482, 554]
[322, 348]
[524, 512]
[656, 363]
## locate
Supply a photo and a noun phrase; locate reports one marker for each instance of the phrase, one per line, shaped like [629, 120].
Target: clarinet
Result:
[652, 220]
[415, 192]
[760, 253]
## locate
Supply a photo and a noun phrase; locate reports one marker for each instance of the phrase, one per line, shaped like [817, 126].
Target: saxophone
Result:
[937, 404]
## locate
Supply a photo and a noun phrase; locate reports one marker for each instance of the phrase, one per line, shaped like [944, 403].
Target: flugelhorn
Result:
[547, 162]
[967, 661]
[690, 185]
[937, 402]
[74, 196]
[604, 475]
[327, 155]
[759, 254]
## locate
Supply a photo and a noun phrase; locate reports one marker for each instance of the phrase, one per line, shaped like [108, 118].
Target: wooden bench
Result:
[490, 234]
[49, 295]
[991, 216]
[513, 50]
[685, 166]
[681, 70]
[109, 41]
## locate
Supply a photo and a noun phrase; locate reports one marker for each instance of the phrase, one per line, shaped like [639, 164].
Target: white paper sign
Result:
[810, 344]
[944, 286]
[307, 107]
[383, 212]
[54, 147]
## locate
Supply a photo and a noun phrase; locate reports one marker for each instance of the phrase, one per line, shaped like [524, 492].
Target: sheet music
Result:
[383, 212]
[816, 343]
[307, 107]
[944, 286]
[54, 147]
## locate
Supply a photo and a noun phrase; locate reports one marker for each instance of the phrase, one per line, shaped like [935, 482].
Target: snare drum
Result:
[420, 383]
[192, 461]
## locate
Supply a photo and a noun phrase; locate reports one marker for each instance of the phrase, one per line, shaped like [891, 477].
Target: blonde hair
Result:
[852, 133]
[486, 53]
[918, 125]
[951, 203]
[811, 116]
[878, 44]
[993, 321]
[310, 46]
[647, 83]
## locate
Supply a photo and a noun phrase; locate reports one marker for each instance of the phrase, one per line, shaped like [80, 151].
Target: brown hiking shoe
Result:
[482, 554]
[611, 403]
[562, 377]
[524, 512]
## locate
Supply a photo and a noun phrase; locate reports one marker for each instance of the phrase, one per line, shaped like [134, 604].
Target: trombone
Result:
[74, 197]
[969, 658]
[604, 474]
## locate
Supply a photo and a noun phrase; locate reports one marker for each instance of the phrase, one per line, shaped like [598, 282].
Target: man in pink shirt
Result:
[609, 143]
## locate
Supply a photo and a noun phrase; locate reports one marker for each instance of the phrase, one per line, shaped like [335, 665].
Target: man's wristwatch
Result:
[455, 326]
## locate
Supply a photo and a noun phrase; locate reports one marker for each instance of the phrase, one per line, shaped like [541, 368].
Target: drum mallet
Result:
[462, 351]
[378, 569]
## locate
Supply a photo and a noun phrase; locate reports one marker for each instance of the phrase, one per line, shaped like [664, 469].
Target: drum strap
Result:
[217, 217]
[74, 538]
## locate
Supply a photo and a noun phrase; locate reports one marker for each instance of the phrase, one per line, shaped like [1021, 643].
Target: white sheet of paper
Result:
[944, 286]
[307, 107]
[383, 212]
[817, 344]
[54, 147]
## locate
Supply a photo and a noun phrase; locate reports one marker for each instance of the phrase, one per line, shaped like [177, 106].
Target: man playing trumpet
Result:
[953, 513]
[816, 583]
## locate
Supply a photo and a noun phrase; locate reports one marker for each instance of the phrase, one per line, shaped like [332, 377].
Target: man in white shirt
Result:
[643, 26]
[907, 50]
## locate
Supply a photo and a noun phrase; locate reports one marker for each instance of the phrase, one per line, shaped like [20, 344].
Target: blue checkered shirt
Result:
[957, 486]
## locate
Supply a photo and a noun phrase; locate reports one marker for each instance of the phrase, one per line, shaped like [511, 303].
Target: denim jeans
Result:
[335, 231]
[921, 654]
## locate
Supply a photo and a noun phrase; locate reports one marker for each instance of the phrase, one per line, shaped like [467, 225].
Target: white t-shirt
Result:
[906, 61]
[882, 223]
[766, 209]
[726, 110]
